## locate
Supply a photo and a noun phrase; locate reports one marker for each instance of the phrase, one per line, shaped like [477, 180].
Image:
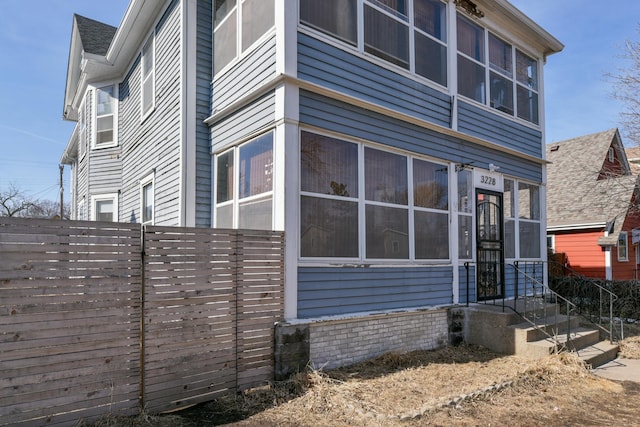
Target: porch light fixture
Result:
[470, 7]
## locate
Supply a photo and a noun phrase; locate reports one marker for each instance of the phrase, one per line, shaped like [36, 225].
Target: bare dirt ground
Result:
[462, 386]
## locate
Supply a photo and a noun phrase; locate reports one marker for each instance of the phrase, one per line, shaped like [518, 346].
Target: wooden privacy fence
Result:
[110, 318]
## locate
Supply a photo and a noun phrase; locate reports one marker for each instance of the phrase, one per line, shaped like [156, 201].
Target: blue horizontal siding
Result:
[337, 69]
[337, 116]
[326, 291]
[484, 124]
[247, 120]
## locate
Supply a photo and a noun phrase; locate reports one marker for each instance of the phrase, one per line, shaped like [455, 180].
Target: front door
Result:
[490, 245]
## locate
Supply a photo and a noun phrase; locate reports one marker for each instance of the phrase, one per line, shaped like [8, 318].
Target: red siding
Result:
[582, 251]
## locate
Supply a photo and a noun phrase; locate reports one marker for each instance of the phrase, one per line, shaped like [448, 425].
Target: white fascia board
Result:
[569, 227]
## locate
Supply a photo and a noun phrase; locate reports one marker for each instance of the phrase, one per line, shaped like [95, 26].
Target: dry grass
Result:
[630, 348]
[465, 386]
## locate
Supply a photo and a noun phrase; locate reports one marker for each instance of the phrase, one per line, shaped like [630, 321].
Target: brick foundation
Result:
[335, 343]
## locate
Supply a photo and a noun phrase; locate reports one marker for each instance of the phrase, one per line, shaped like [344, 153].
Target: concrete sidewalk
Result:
[620, 370]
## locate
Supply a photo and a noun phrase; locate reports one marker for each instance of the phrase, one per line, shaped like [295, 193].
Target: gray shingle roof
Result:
[95, 36]
[575, 196]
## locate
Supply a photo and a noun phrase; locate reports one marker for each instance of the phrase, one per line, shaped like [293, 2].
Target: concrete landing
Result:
[620, 370]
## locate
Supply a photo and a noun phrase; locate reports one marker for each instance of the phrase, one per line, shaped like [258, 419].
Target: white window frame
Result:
[409, 21]
[363, 202]
[149, 179]
[151, 40]
[235, 201]
[114, 114]
[113, 197]
[513, 77]
[623, 237]
[239, 51]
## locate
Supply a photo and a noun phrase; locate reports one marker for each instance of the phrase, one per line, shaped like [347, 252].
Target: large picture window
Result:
[244, 185]
[360, 202]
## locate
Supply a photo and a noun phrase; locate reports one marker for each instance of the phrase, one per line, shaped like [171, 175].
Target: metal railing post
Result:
[466, 266]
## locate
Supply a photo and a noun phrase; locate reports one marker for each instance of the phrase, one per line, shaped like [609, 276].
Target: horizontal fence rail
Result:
[111, 318]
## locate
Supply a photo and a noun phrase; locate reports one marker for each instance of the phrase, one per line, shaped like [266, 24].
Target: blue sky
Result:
[34, 47]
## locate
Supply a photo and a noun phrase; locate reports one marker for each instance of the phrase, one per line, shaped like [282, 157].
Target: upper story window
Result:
[105, 117]
[338, 18]
[412, 35]
[148, 76]
[238, 24]
[486, 73]
[82, 131]
[389, 31]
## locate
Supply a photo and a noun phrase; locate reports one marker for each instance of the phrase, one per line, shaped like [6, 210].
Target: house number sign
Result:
[488, 180]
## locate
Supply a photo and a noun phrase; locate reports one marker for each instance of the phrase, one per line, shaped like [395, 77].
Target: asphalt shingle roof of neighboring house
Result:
[96, 36]
[575, 195]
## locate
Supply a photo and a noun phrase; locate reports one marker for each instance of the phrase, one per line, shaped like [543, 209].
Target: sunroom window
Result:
[388, 30]
[355, 197]
[238, 25]
[529, 220]
[484, 57]
[335, 17]
[430, 17]
[244, 185]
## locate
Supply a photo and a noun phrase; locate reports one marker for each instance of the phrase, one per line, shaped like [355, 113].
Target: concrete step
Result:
[580, 338]
[549, 325]
[598, 354]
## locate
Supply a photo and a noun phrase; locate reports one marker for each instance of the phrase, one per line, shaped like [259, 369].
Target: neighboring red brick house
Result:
[592, 206]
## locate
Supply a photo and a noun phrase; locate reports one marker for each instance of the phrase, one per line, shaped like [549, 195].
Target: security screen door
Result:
[490, 245]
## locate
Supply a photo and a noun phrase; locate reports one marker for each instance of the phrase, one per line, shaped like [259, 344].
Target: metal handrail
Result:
[594, 283]
[546, 296]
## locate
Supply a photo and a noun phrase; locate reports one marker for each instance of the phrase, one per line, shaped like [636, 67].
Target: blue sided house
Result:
[398, 143]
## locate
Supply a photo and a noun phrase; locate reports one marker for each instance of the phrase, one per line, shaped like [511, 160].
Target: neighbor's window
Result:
[245, 21]
[105, 114]
[353, 195]
[147, 200]
[244, 185]
[104, 207]
[148, 76]
[623, 254]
